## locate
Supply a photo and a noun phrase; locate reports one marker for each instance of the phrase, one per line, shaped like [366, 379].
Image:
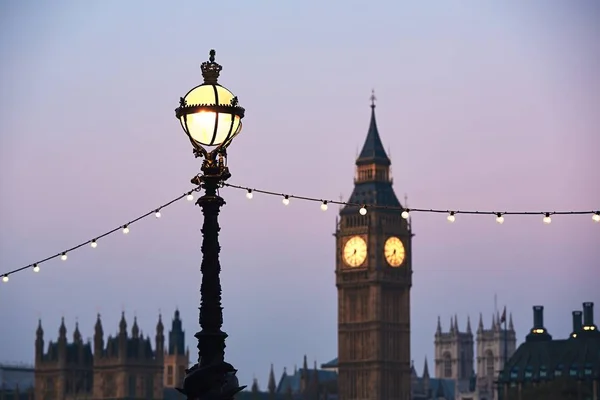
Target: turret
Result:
[123, 325]
[426, 378]
[98, 338]
[254, 388]
[39, 342]
[135, 330]
[160, 338]
[272, 386]
[77, 335]
[62, 342]
[176, 336]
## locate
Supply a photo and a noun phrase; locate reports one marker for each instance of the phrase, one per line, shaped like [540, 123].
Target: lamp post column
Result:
[211, 339]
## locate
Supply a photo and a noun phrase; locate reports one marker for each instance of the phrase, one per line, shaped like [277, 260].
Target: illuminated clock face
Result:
[394, 251]
[355, 251]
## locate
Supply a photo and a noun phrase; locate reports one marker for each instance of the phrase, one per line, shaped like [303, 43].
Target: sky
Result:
[485, 105]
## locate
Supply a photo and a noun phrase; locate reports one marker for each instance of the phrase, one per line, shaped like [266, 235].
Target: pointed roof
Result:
[468, 324]
[62, 330]
[425, 369]
[272, 386]
[76, 333]
[135, 330]
[373, 150]
[123, 324]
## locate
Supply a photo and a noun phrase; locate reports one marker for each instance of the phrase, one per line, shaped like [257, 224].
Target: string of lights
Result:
[93, 243]
[405, 212]
[286, 198]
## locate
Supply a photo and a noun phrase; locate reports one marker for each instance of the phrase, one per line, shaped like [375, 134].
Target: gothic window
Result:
[132, 385]
[463, 364]
[170, 375]
[109, 387]
[181, 374]
[447, 365]
[489, 363]
[150, 387]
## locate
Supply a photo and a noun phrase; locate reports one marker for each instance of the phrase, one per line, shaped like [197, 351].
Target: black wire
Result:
[102, 235]
[291, 196]
[410, 209]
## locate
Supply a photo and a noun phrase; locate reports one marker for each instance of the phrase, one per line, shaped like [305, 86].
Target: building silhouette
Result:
[548, 369]
[123, 367]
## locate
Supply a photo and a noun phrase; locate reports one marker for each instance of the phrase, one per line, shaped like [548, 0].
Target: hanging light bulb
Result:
[4, 278]
[93, 244]
[125, 229]
[405, 214]
[36, 268]
[286, 200]
[63, 256]
[189, 197]
[499, 218]
[157, 213]
[363, 210]
[596, 216]
[249, 195]
[324, 205]
[547, 218]
[451, 217]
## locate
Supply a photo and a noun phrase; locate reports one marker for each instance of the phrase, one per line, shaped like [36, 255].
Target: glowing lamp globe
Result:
[209, 114]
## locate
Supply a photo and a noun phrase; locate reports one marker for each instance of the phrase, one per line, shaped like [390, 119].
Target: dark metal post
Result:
[211, 340]
[211, 378]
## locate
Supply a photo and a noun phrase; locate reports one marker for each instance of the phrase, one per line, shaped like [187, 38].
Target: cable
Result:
[362, 210]
[94, 242]
[405, 212]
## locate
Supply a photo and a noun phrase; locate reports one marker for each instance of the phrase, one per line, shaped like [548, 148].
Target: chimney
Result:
[588, 314]
[538, 333]
[538, 317]
[577, 322]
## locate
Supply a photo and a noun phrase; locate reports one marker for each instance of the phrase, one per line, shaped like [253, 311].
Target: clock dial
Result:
[355, 251]
[394, 251]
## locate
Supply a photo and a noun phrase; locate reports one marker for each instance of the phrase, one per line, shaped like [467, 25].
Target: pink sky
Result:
[484, 105]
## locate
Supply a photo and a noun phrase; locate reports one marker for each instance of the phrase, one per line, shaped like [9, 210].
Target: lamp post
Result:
[211, 118]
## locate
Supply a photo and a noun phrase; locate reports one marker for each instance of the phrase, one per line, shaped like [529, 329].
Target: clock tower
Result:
[373, 278]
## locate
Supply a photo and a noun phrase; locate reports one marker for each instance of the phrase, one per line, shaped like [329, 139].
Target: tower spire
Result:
[272, 386]
[373, 151]
[373, 98]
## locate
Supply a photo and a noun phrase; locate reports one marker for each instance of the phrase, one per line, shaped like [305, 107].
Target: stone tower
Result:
[177, 358]
[65, 370]
[491, 352]
[373, 277]
[454, 352]
[127, 367]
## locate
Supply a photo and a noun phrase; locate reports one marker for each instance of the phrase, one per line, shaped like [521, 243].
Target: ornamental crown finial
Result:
[210, 69]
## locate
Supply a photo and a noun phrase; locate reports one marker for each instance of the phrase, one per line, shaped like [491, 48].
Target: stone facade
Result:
[125, 367]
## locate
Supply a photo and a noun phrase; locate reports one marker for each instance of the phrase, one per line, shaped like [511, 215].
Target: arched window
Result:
[489, 363]
[447, 365]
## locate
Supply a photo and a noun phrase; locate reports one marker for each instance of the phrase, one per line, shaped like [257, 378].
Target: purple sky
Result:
[484, 105]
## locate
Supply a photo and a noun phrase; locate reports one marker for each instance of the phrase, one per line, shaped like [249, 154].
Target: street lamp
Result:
[211, 118]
